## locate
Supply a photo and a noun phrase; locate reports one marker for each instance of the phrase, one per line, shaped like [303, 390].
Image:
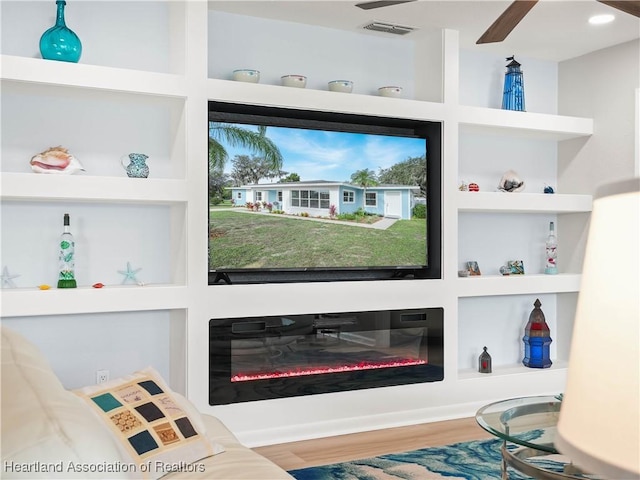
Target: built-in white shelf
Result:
[54, 73]
[487, 285]
[24, 302]
[86, 188]
[515, 369]
[493, 202]
[536, 125]
[310, 99]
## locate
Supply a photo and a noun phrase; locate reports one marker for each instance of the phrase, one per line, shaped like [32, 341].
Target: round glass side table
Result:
[530, 423]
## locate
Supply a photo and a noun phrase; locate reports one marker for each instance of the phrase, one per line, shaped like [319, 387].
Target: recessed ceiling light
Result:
[601, 19]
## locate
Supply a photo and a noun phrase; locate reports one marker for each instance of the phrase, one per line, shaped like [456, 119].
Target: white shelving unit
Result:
[179, 190]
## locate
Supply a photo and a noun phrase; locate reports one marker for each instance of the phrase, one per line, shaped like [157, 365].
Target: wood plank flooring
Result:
[323, 451]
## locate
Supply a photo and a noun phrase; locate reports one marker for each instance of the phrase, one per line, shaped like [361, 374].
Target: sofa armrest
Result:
[237, 462]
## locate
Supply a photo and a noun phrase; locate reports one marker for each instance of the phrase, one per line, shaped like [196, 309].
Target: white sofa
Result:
[44, 425]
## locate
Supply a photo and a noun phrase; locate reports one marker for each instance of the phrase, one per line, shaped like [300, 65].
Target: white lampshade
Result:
[599, 425]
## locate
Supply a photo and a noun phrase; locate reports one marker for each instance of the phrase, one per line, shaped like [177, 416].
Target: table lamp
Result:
[599, 424]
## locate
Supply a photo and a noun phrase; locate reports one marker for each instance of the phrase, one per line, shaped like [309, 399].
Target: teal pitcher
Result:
[137, 167]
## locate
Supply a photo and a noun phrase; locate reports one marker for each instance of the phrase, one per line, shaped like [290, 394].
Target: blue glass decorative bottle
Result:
[513, 95]
[59, 42]
[536, 340]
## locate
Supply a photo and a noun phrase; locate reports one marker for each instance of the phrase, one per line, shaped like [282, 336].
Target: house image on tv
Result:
[316, 197]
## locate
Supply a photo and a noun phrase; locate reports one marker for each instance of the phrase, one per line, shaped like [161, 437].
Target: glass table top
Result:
[527, 421]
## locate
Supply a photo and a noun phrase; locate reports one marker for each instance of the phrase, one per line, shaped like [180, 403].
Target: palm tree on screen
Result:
[237, 136]
[364, 178]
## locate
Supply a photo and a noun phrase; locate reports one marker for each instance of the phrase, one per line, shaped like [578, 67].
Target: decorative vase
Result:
[59, 42]
[137, 167]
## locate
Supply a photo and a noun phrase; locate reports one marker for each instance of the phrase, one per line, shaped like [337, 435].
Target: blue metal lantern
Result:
[513, 96]
[536, 340]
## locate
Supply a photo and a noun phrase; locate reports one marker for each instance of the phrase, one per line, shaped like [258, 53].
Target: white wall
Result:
[601, 85]
[277, 48]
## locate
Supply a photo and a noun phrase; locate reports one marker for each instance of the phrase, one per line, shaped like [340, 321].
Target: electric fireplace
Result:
[260, 358]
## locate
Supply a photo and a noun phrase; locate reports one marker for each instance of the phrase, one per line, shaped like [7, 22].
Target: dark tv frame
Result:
[324, 120]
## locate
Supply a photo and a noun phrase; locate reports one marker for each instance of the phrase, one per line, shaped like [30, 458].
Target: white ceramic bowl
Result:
[390, 91]
[299, 81]
[249, 76]
[345, 86]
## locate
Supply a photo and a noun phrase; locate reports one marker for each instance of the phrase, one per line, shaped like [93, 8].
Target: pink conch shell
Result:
[55, 160]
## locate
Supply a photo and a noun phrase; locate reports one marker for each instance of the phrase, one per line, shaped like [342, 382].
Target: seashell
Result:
[510, 182]
[55, 160]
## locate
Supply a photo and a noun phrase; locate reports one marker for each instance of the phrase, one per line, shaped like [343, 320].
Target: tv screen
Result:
[299, 196]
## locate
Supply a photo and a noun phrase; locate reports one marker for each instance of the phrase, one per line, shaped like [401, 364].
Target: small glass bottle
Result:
[551, 249]
[66, 258]
[60, 42]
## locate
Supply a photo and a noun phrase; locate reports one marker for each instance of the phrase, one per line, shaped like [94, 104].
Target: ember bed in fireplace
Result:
[259, 358]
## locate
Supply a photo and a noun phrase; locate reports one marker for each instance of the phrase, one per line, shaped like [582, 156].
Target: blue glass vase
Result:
[59, 42]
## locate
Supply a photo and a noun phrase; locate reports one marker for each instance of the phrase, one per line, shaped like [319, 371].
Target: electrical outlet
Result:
[102, 376]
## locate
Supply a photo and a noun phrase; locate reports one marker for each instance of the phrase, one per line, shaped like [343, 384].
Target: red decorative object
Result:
[474, 187]
[98, 285]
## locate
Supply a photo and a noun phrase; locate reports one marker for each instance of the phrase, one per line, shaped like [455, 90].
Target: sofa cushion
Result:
[156, 429]
[47, 431]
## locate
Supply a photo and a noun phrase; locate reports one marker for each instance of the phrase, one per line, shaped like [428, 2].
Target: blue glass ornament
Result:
[536, 340]
[513, 96]
[59, 42]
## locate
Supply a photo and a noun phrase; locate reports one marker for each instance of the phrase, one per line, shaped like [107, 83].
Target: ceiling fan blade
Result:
[381, 3]
[627, 6]
[506, 22]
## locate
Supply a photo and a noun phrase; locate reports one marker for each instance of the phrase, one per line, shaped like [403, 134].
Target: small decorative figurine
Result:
[516, 267]
[129, 274]
[548, 189]
[55, 160]
[536, 340]
[7, 278]
[44, 286]
[513, 93]
[510, 182]
[98, 285]
[484, 361]
[474, 269]
[474, 187]
[463, 187]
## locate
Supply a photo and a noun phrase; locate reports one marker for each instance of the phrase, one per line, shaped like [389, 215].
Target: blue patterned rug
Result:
[477, 460]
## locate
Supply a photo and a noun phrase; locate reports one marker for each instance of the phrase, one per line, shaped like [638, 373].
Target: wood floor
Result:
[342, 448]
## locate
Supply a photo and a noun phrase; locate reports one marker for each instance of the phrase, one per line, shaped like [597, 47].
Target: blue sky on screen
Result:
[322, 155]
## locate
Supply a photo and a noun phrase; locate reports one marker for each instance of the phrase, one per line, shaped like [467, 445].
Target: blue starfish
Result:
[7, 278]
[129, 274]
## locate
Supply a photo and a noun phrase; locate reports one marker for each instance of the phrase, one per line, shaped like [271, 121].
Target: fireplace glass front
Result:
[259, 358]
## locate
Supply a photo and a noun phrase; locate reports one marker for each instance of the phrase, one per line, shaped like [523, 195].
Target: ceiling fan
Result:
[515, 12]
[505, 23]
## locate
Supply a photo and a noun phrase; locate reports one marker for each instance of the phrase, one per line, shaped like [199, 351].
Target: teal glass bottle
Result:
[60, 42]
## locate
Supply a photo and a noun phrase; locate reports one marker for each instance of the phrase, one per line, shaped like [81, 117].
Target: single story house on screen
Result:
[316, 197]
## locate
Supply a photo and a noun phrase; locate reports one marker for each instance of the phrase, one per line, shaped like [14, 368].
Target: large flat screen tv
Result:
[303, 196]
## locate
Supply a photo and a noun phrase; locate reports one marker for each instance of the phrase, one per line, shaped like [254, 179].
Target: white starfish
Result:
[129, 274]
[7, 278]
